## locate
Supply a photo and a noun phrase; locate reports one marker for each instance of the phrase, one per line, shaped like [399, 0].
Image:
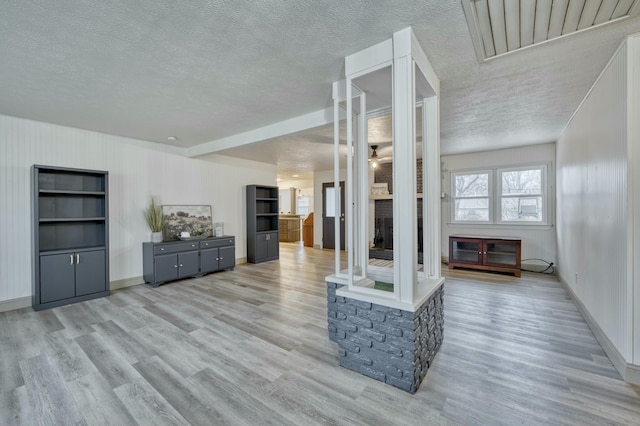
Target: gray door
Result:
[328, 216]
[57, 277]
[166, 268]
[188, 264]
[227, 257]
[90, 272]
[262, 247]
[208, 260]
[273, 245]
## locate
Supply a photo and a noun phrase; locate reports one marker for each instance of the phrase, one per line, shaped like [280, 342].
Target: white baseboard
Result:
[13, 304]
[629, 372]
[241, 260]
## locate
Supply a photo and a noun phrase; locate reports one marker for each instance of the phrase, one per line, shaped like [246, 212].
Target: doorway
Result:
[329, 216]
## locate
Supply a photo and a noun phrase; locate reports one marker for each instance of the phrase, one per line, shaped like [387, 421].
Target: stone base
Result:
[390, 345]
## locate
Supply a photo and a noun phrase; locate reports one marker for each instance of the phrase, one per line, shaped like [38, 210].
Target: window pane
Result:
[522, 182]
[302, 207]
[523, 209]
[473, 210]
[472, 185]
[330, 207]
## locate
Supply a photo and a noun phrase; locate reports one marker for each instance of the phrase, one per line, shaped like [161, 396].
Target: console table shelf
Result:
[499, 254]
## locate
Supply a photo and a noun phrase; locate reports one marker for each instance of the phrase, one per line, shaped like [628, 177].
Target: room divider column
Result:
[392, 336]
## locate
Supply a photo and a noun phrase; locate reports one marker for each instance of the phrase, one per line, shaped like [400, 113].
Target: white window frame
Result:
[495, 195]
[544, 195]
[489, 196]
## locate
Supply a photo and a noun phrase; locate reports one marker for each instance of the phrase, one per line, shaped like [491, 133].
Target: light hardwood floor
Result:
[250, 347]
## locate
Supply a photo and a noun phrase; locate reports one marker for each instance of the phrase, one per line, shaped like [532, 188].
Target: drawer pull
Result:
[161, 249]
[206, 244]
[193, 245]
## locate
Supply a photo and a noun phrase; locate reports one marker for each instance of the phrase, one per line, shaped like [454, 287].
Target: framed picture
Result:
[196, 220]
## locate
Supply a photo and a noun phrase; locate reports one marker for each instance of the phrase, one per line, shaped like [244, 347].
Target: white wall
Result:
[137, 170]
[538, 241]
[594, 218]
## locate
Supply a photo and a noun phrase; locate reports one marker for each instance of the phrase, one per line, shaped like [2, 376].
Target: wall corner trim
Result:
[629, 372]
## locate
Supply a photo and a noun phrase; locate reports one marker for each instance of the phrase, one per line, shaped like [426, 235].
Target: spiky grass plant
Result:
[153, 215]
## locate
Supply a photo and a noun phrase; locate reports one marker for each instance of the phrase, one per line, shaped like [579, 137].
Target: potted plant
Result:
[155, 220]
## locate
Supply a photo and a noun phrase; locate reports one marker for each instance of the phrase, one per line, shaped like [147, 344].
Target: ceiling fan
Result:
[374, 159]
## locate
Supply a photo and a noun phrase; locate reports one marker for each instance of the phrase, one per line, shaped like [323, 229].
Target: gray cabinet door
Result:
[90, 272]
[227, 257]
[262, 247]
[273, 245]
[208, 260]
[165, 268]
[57, 277]
[188, 264]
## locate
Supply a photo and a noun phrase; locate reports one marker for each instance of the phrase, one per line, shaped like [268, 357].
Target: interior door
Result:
[329, 216]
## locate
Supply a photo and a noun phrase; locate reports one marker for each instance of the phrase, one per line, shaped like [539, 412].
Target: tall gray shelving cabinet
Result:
[262, 223]
[70, 235]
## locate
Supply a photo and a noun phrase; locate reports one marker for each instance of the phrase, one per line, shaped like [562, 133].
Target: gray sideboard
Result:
[175, 260]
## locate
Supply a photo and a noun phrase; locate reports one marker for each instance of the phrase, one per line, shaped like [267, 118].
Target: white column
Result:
[405, 218]
[431, 186]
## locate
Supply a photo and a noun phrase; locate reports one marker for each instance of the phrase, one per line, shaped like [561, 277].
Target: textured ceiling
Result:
[204, 70]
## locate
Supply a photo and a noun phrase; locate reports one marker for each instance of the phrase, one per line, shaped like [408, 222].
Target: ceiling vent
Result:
[502, 26]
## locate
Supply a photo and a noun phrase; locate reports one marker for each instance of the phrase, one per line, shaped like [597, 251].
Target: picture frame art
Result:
[196, 220]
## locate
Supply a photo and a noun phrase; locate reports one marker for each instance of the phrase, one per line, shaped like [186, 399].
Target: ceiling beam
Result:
[286, 127]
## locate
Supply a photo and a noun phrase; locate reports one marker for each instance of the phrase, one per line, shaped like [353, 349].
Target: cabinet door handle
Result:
[206, 244]
[77, 259]
[175, 266]
[70, 259]
[161, 249]
[193, 245]
[217, 258]
[222, 258]
[181, 265]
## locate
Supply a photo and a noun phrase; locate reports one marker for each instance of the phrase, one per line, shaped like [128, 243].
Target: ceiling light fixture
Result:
[374, 157]
[172, 138]
[295, 175]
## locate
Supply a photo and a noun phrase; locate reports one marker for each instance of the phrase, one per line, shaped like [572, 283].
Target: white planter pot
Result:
[156, 237]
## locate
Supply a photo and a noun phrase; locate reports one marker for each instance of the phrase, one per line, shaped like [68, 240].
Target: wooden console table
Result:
[499, 254]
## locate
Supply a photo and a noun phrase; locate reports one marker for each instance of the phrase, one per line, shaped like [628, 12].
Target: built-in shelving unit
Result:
[262, 223]
[70, 235]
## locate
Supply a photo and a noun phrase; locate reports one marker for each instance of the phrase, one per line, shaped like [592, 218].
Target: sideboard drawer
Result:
[222, 242]
[175, 248]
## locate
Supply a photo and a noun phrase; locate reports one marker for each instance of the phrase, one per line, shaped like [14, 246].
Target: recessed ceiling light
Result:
[172, 138]
[295, 175]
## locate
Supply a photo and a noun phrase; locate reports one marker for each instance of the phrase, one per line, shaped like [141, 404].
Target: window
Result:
[520, 196]
[471, 192]
[302, 205]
